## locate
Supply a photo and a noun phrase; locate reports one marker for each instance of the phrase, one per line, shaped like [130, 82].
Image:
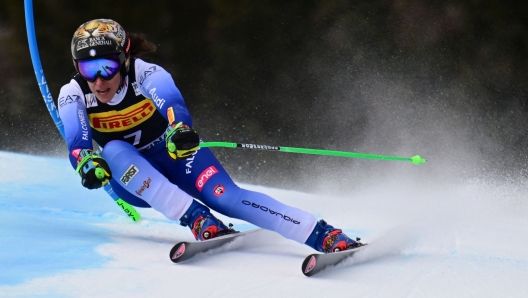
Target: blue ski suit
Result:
[130, 129]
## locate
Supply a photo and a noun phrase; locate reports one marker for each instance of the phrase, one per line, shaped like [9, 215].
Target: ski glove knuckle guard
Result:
[93, 169]
[181, 140]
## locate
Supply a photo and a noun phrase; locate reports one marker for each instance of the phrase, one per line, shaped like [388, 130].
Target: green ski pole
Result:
[415, 159]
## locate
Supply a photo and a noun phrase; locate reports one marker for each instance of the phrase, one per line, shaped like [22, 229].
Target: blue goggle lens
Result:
[106, 68]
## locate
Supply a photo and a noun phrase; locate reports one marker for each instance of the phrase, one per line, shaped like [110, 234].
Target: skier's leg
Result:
[133, 173]
[203, 177]
[136, 179]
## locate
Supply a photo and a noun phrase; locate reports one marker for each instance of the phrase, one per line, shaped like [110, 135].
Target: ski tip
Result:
[308, 265]
[177, 251]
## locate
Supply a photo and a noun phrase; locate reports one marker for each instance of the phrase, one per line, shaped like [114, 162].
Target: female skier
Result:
[150, 155]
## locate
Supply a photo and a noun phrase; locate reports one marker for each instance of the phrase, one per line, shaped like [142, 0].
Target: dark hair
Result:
[139, 45]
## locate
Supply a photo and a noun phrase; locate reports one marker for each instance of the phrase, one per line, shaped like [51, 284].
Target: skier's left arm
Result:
[156, 83]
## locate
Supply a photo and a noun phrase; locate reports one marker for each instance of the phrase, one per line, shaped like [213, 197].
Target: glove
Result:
[181, 140]
[93, 169]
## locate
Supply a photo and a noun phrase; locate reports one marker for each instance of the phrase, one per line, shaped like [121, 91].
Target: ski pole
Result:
[50, 103]
[415, 159]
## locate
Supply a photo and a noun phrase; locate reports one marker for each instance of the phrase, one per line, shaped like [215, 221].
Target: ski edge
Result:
[314, 263]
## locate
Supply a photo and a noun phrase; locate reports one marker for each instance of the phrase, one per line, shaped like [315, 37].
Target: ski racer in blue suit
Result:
[133, 111]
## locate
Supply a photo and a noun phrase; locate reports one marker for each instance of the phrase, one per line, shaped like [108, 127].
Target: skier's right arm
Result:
[92, 168]
[72, 110]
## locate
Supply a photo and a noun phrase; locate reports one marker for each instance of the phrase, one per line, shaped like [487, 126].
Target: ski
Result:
[182, 251]
[315, 263]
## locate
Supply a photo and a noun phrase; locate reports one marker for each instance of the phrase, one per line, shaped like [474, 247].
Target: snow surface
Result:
[442, 239]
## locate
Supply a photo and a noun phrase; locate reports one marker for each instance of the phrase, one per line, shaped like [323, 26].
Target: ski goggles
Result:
[105, 67]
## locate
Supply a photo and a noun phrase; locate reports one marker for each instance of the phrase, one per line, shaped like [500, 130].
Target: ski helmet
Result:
[100, 38]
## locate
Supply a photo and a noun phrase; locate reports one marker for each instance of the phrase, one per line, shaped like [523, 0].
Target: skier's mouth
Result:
[103, 92]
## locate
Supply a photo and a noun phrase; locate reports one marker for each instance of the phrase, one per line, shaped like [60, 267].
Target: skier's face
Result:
[105, 90]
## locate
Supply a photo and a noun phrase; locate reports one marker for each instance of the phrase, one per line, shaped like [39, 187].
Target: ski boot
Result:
[327, 239]
[203, 224]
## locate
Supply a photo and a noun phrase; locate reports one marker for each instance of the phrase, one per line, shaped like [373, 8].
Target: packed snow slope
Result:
[428, 238]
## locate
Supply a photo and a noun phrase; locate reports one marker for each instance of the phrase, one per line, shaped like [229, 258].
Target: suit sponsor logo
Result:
[130, 173]
[170, 115]
[84, 126]
[188, 165]
[147, 73]
[135, 86]
[268, 210]
[114, 121]
[146, 184]
[219, 190]
[156, 99]
[205, 176]
[91, 100]
[69, 99]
